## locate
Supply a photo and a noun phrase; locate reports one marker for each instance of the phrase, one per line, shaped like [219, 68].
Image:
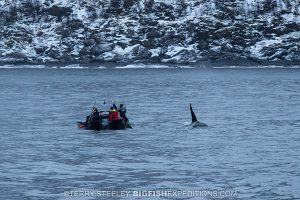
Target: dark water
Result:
[252, 144]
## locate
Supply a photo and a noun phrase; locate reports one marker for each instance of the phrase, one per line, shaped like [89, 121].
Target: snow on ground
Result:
[174, 50]
[155, 52]
[128, 32]
[127, 51]
[143, 66]
[256, 50]
[73, 66]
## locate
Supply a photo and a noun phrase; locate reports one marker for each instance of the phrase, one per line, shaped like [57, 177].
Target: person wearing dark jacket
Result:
[93, 120]
[122, 111]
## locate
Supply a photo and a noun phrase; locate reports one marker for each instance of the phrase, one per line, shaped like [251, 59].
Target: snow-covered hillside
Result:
[169, 31]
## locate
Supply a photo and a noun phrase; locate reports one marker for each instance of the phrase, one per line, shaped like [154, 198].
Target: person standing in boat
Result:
[122, 111]
[94, 119]
[113, 114]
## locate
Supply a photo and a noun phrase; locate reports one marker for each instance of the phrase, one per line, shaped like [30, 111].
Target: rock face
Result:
[170, 31]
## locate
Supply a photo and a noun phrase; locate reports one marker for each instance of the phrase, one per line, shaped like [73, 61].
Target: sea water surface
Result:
[251, 144]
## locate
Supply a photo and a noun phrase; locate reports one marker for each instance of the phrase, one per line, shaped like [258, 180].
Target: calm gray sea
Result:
[252, 144]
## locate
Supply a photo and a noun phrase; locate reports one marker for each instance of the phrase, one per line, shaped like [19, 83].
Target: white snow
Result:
[194, 13]
[81, 14]
[155, 52]
[174, 50]
[256, 49]
[22, 66]
[143, 66]
[127, 51]
[73, 66]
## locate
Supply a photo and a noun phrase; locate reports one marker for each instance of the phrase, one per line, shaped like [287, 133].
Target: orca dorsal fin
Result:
[194, 118]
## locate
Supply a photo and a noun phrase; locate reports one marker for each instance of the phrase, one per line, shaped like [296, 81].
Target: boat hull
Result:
[114, 125]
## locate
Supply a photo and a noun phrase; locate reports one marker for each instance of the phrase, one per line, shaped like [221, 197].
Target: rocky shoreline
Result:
[201, 64]
[149, 31]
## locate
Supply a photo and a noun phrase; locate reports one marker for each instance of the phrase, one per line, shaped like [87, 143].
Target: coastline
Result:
[245, 63]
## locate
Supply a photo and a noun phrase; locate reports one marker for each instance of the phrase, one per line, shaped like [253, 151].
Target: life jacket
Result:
[113, 115]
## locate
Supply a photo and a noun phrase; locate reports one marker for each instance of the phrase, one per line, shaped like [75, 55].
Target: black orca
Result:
[195, 122]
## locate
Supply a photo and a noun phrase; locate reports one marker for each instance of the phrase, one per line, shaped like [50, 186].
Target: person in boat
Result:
[96, 112]
[94, 119]
[113, 114]
[122, 111]
[94, 116]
